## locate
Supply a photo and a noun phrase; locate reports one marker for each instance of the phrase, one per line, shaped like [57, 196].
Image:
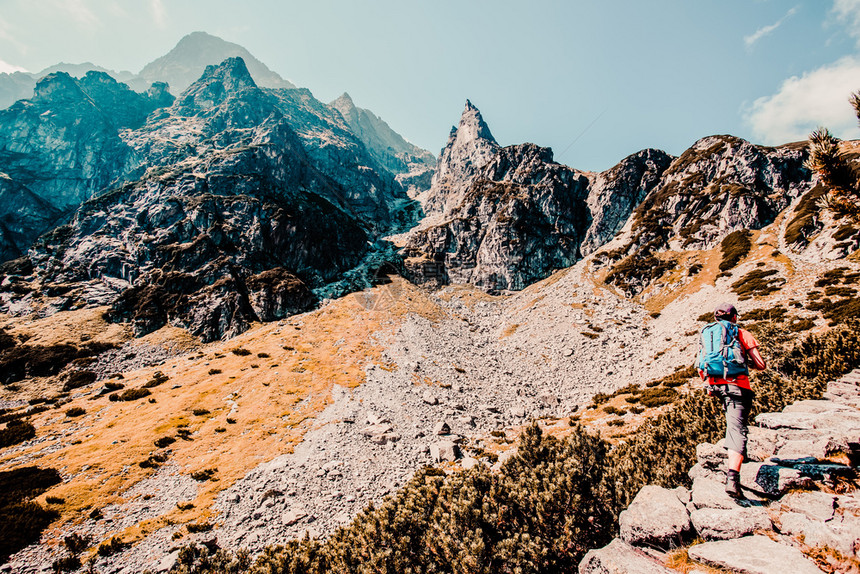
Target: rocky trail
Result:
[802, 512]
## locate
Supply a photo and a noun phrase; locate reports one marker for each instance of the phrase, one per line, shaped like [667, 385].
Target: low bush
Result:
[75, 543]
[735, 246]
[240, 352]
[193, 528]
[75, 412]
[111, 547]
[68, 563]
[157, 379]
[134, 394]
[164, 441]
[200, 412]
[204, 475]
[758, 283]
[214, 371]
[17, 433]
[22, 520]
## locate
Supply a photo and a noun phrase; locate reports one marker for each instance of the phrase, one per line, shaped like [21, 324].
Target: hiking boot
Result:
[733, 484]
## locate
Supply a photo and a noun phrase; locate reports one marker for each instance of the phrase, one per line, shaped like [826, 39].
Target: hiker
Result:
[726, 352]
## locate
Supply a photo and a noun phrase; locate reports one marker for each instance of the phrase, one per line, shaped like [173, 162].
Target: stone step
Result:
[618, 557]
[753, 555]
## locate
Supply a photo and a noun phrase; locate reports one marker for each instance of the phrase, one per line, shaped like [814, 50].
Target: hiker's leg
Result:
[735, 460]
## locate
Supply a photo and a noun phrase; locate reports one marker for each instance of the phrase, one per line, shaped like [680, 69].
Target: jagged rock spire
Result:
[470, 146]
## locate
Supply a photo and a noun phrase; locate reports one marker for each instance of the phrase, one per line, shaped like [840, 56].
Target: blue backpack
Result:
[720, 351]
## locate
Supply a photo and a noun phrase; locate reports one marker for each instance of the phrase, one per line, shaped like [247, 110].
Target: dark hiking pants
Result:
[737, 402]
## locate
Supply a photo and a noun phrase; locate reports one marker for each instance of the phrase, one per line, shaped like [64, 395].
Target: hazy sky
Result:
[594, 80]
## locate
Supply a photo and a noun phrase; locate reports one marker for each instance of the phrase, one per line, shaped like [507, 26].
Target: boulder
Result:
[711, 456]
[444, 451]
[292, 516]
[842, 536]
[429, 398]
[441, 428]
[708, 493]
[753, 555]
[618, 557]
[725, 524]
[815, 505]
[700, 471]
[656, 517]
[771, 479]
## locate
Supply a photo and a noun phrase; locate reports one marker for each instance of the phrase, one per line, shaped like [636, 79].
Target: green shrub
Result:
[75, 412]
[157, 379]
[55, 500]
[16, 434]
[758, 283]
[75, 543]
[66, 564]
[111, 547]
[214, 371]
[198, 527]
[735, 246]
[21, 519]
[134, 394]
[200, 412]
[204, 475]
[164, 441]
[77, 379]
[240, 352]
[804, 222]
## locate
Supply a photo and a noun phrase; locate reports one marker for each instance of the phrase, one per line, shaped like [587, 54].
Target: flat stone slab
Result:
[753, 555]
[815, 407]
[656, 517]
[723, 524]
[815, 505]
[772, 479]
[618, 557]
[840, 534]
[707, 493]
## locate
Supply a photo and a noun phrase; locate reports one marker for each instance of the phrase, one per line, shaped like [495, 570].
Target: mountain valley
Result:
[232, 315]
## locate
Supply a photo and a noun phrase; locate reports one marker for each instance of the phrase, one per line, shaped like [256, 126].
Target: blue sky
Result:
[595, 81]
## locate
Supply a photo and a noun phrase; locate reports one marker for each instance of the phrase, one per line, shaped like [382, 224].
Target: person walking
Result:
[726, 353]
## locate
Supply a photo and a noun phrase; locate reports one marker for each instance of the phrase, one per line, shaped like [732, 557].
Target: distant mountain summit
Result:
[412, 165]
[470, 147]
[182, 65]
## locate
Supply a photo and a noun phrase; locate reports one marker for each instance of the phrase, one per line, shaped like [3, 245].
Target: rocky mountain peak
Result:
[472, 126]
[411, 165]
[216, 84]
[232, 73]
[57, 87]
[470, 146]
[184, 64]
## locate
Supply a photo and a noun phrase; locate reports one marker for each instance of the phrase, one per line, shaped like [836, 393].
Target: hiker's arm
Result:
[757, 360]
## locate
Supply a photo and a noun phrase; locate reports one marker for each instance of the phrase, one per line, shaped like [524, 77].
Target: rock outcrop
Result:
[799, 513]
[469, 148]
[522, 217]
[719, 185]
[412, 166]
[233, 219]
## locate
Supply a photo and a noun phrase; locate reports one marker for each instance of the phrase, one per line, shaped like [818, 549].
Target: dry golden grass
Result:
[680, 560]
[67, 327]
[277, 402]
[509, 330]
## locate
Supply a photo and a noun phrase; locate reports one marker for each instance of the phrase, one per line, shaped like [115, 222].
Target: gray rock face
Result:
[522, 217]
[412, 165]
[616, 192]
[656, 517]
[842, 534]
[725, 524]
[63, 145]
[816, 505]
[619, 557]
[708, 493]
[470, 147]
[753, 555]
[720, 184]
[233, 221]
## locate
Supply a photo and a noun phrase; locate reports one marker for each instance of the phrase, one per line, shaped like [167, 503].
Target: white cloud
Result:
[848, 12]
[6, 68]
[765, 30]
[159, 14]
[818, 98]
